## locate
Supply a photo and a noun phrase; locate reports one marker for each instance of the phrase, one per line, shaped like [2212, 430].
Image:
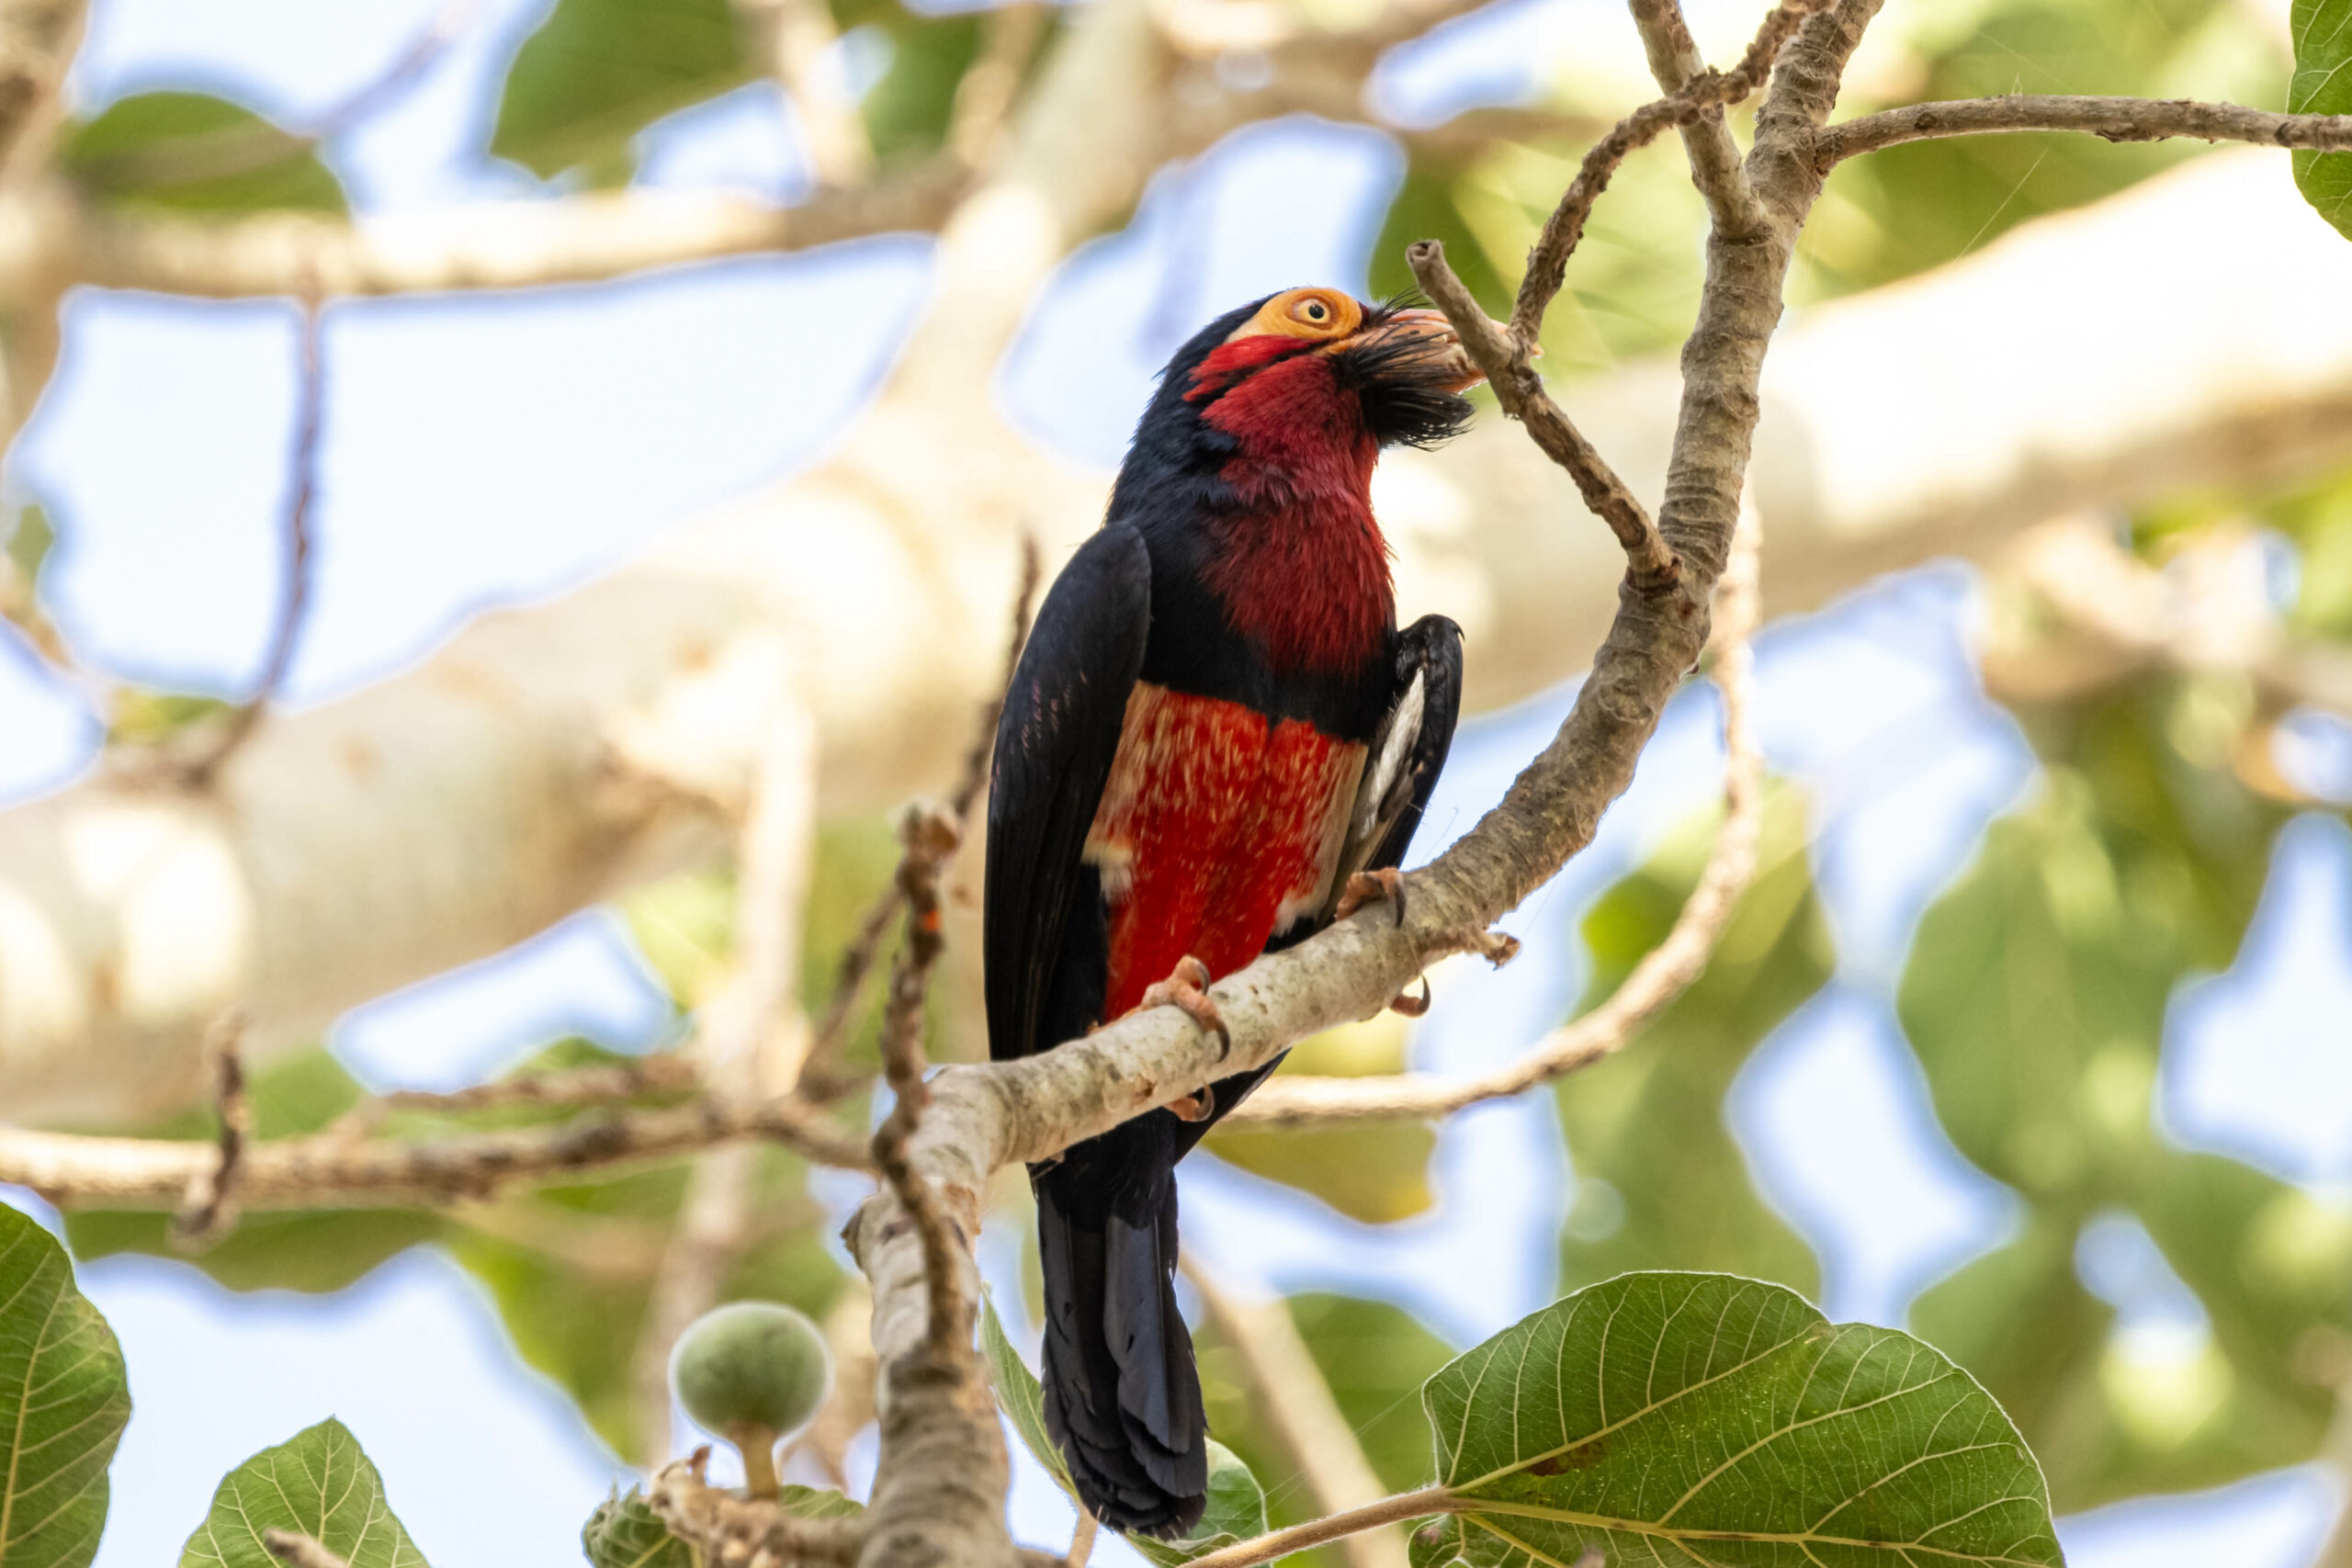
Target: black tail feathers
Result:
[1123, 1398]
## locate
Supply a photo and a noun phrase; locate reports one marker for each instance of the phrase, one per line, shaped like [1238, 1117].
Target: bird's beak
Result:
[1417, 347]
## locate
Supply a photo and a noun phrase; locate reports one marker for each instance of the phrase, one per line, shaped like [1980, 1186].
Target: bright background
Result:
[481, 451]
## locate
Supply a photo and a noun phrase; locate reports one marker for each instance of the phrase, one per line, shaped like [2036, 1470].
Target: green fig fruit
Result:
[752, 1372]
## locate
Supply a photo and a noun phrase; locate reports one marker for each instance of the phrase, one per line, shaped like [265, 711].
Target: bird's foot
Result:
[1186, 989]
[1371, 887]
[1410, 1005]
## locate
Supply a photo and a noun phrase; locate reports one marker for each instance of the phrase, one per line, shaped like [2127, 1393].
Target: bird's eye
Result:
[1317, 311]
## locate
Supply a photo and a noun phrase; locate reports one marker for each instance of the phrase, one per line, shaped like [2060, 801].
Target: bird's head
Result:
[1315, 365]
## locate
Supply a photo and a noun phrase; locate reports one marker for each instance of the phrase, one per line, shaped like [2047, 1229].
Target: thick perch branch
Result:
[1662, 974]
[2117, 119]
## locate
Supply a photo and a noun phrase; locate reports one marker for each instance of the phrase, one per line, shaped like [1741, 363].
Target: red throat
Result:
[1301, 566]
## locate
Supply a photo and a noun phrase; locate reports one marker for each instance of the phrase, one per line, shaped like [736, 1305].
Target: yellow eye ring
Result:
[1320, 313]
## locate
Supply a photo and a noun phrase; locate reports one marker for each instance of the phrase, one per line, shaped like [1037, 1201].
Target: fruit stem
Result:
[757, 1445]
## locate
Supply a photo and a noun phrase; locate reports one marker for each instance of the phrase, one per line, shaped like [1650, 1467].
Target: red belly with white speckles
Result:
[1217, 829]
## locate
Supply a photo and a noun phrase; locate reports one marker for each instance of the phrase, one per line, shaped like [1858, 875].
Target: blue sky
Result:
[486, 451]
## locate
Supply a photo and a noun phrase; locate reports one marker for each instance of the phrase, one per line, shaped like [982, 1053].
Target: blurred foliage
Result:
[2036, 997]
[317, 1483]
[597, 72]
[198, 153]
[1375, 1171]
[1660, 1181]
[2323, 85]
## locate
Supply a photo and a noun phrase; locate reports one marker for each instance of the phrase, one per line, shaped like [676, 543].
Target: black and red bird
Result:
[1217, 727]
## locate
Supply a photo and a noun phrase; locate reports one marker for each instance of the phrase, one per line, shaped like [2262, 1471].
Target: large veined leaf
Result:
[1660, 1181]
[1705, 1421]
[597, 72]
[199, 153]
[317, 1482]
[64, 1400]
[2323, 85]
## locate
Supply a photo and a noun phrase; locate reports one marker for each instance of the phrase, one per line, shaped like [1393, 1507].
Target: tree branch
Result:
[792, 37]
[1676, 63]
[1400, 1509]
[294, 597]
[1664, 973]
[329, 1169]
[1508, 364]
[520, 244]
[2117, 120]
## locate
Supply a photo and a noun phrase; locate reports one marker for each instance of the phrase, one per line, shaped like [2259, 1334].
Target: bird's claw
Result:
[1186, 991]
[1410, 1005]
[1371, 887]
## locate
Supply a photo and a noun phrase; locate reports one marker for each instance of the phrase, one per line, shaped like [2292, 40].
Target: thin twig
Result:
[2117, 120]
[930, 836]
[211, 1206]
[329, 1169]
[310, 409]
[725, 1527]
[665, 1072]
[1277, 1544]
[1286, 1383]
[1510, 369]
[793, 37]
[1710, 90]
[1675, 61]
[1663, 974]
[299, 1549]
[1082, 1540]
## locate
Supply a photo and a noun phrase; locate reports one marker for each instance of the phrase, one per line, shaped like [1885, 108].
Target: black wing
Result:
[1054, 745]
[1410, 751]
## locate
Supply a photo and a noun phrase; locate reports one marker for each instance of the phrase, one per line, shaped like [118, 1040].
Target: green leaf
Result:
[1660, 1181]
[1020, 1396]
[1694, 1419]
[597, 72]
[194, 152]
[64, 1400]
[1236, 1511]
[317, 1482]
[2323, 85]
[1376, 1172]
[623, 1533]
